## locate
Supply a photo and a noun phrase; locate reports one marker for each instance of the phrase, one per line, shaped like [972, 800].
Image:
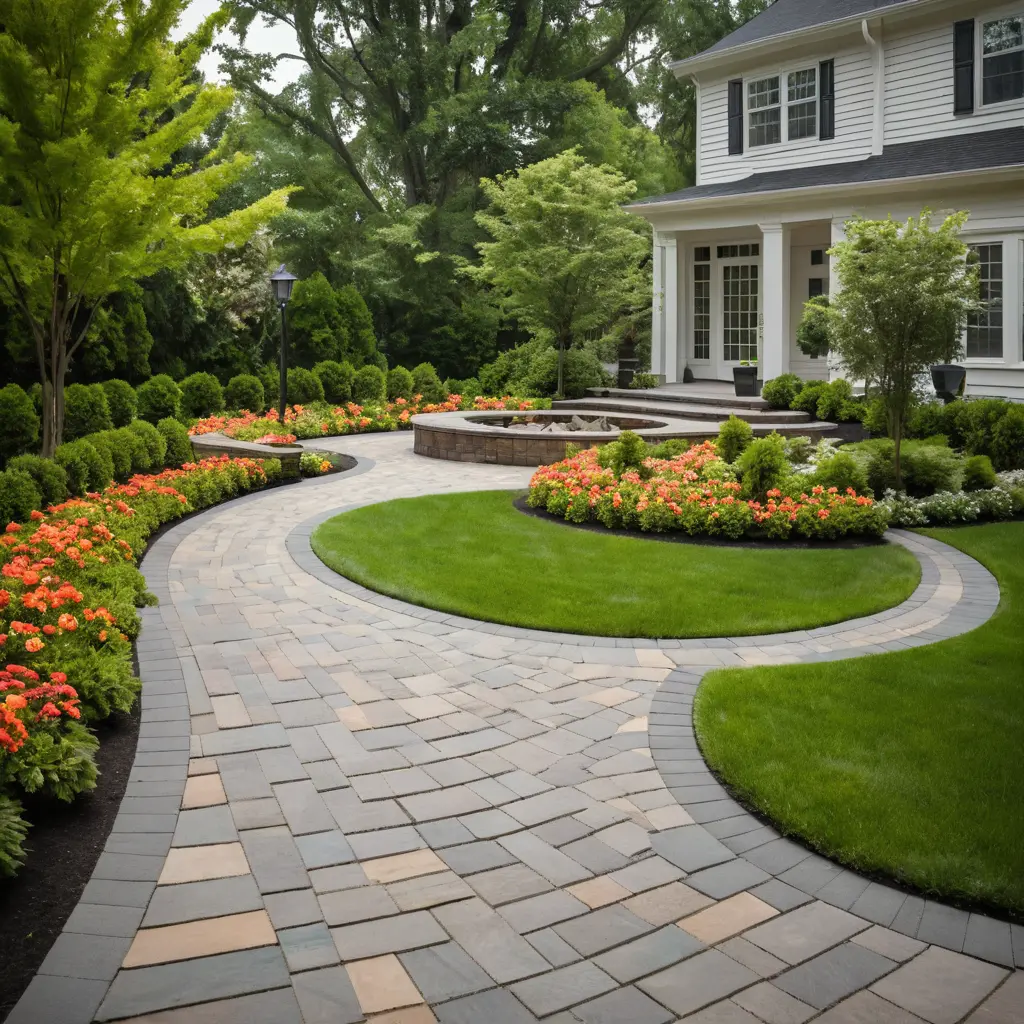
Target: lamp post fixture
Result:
[282, 283]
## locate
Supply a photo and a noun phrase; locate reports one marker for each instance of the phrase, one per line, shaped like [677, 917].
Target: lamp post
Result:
[282, 282]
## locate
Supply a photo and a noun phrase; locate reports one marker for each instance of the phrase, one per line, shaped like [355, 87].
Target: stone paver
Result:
[383, 811]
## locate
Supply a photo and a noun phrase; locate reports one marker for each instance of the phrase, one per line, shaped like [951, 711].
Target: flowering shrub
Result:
[69, 587]
[313, 464]
[695, 492]
[947, 508]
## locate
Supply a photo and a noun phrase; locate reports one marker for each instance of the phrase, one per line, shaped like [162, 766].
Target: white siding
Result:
[919, 87]
[854, 114]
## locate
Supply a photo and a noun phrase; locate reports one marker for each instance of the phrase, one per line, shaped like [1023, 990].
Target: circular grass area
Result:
[476, 555]
[908, 764]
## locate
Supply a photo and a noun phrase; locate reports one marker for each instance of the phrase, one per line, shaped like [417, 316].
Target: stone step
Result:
[637, 403]
[686, 394]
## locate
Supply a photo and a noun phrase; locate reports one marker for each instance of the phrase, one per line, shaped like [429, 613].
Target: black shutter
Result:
[736, 116]
[963, 67]
[827, 109]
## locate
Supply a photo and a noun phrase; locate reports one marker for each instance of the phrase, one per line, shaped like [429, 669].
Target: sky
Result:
[260, 39]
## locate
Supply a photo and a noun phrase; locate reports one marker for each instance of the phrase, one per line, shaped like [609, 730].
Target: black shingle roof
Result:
[971, 151]
[793, 15]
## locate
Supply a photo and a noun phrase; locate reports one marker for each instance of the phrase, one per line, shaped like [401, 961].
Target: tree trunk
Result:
[897, 436]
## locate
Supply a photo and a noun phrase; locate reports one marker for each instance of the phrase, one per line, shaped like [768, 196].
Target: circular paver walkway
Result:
[345, 808]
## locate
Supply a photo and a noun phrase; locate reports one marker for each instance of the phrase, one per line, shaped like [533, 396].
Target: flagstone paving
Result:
[344, 808]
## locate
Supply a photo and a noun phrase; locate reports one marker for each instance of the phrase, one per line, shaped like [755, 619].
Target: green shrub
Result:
[925, 467]
[671, 449]
[841, 470]
[813, 332]
[121, 401]
[510, 365]
[779, 392]
[304, 387]
[582, 370]
[336, 379]
[468, 388]
[644, 381]
[201, 395]
[70, 458]
[120, 453]
[401, 384]
[19, 422]
[245, 392]
[833, 401]
[50, 478]
[369, 385]
[270, 378]
[807, 399]
[762, 466]
[179, 447]
[627, 453]
[927, 420]
[85, 411]
[982, 417]
[733, 437]
[1008, 440]
[156, 446]
[158, 398]
[426, 382]
[133, 444]
[979, 475]
[102, 473]
[13, 829]
[875, 421]
[19, 495]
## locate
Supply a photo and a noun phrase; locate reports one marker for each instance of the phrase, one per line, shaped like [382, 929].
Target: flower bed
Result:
[696, 492]
[69, 587]
[319, 419]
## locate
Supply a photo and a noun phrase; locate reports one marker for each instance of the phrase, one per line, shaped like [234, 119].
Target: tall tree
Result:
[95, 101]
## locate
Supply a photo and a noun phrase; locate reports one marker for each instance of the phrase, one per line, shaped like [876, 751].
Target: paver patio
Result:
[344, 808]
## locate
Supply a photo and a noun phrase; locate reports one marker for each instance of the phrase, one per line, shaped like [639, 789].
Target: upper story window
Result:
[782, 107]
[1002, 60]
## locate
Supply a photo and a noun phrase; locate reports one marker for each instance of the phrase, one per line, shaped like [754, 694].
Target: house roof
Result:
[970, 151]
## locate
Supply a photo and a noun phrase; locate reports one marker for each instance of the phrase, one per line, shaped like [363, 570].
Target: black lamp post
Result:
[282, 282]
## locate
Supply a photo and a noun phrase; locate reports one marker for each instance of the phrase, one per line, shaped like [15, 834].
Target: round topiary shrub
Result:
[245, 392]
[401, 384]
[138, 453]
[468, 388]
[1008, 440]
[85, 410]
[841, 471]
[70, 458]
[368, 385]
[426, 382]
[201, 395]
[762, 466]
[98, 471]
[733, 437]
[50, 478]
[779, 392]
[19, 422]
[979, 474]
[120, 453]
[100, 441]
[336, 380]
[158, 397]
[179, 447]
[304, 387]
[19, 495]
[121, 401]
[807, 398]
[156, 446]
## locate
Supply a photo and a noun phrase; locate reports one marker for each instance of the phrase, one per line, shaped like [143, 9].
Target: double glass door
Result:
[740, 311]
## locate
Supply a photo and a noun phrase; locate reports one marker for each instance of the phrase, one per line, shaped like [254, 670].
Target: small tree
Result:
[96, 104]
[566, 259]
[906, 292]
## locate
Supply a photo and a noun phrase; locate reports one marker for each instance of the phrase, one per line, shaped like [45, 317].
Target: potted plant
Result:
[948, 377]
[814, 330]
[745, 379]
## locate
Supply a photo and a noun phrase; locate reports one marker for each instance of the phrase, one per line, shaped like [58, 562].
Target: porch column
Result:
[835, 370]
[775, 300]
[671, 309]
[658, 308]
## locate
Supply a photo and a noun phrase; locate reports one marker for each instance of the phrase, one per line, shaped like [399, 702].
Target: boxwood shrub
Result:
[50, 478]
[158, 397]
[245, 391]
[121, 401]
[201, 395]
[179, 447]
[19, 422]
[336, 380]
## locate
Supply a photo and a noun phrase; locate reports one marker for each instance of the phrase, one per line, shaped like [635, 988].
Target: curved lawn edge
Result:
[545, 578]
[936, 810]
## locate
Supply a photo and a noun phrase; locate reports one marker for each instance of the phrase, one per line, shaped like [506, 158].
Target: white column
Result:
[1013, 300]
[671, 309]
[775, 299]
[838, 235]
[658, 308]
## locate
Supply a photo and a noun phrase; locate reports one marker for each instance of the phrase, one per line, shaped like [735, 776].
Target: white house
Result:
[819, 109]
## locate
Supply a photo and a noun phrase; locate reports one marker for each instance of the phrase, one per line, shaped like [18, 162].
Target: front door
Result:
[740, 312]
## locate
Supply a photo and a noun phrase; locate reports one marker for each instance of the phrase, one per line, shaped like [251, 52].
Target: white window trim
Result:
[999, 240]
[979, 64]
[784, 104]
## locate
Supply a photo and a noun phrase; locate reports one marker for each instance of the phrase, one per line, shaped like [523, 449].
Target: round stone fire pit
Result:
[539, 437]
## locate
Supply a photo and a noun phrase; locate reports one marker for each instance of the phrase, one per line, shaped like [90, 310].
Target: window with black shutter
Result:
[963, 67]
[827, 110]
[736, 116]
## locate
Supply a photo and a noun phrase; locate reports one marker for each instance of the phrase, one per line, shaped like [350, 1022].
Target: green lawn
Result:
[910, 764]
[476, 555]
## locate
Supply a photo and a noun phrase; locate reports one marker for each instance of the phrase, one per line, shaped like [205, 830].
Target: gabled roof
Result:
[957, 154]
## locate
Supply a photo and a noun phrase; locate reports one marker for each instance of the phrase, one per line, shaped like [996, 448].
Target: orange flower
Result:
[34, 644]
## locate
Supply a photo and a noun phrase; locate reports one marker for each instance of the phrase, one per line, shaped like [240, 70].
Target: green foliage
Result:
[806, 399]
[762, 466]
[582, 370]
[496, 377]
[154, 441]
[426, 382]
[19, 424]
[270, 378]
[336, 379]
[927, 467]
[644, 381]
[836, 404]
[121, 454]
[85, 410]
[158, 398]
[328, 325]
[469, 388]
[178, 445]
[13, 830]
[362, 342]
[979, 474]
[201, 395]
[369, 385]
[132, 444]
[19, 495]
[402, 384]
[49, 477]
[841, 471]
[121, 401]
[926, 420]
[779, 392]
[1008, 440]
[245, 391]
[813, 333]
[70, 458]
[304, 386]
[978, 421]
[734, 436]
[98, 458]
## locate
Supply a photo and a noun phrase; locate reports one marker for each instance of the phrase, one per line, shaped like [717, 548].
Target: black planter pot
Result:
[948, 379]
[745, 379]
